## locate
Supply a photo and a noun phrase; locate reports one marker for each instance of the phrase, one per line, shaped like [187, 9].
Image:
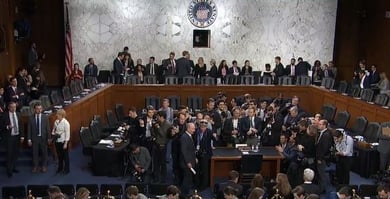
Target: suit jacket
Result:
[323, 145]
[279, 70]
[148, 68]
[228, 128]
[374, 77]
[161, 133]
[183, 67]
[213, 71]
[204, 142]
[199, 71]
[311, 188]
[245, 125]
[11, 95]
[302, 68]
[2, 103]
[288, 70]
[91, 70]
[6, 121]
[231, 70]
[238, 188]
[32, 131]
[118, 66]
[366, 82]
[22, 84]
[187, 152]
[167, 66]
[244, 70]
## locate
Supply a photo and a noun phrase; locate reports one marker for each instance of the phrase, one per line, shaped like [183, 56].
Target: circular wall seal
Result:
[202, 13]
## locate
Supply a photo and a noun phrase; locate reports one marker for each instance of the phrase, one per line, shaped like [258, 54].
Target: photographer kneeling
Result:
[140, 160]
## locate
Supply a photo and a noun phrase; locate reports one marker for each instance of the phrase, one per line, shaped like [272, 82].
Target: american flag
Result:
[68, 45]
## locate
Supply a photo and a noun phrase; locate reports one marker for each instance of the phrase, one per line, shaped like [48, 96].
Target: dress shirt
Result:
[345, 146]
[14, 123]
[62, 128]
[38, 121]
[319, 137]
[292, 70]
[235, 123]
[362, 81]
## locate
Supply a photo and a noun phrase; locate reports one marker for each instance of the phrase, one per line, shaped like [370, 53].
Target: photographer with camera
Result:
[147, 124]
[160, 134]
[135, 131]
[140, 160]
[272, 127]
[344, 152]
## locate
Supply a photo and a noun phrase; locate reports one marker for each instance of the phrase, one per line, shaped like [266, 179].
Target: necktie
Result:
[38, 125]
[16, 129]
[292, 70]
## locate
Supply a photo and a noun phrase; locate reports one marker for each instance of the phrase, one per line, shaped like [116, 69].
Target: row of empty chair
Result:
[96, 190]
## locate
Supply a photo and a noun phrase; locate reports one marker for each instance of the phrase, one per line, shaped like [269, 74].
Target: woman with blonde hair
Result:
[384, 84]
[256, 193]
[61, 136]
[82, 193]
[282, 187]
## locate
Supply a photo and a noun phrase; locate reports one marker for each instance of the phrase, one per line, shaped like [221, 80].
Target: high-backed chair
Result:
[174, 101]
[189, 80]
[303, 80]
[359, 126]
[381, 99]
[207, 80]
[342, 119]
[367, 95]
[94, 130]
[267, 80]
[32, 103]
[152, 100]
[195, 102]
[355, 91]
[14, 192]
[233, 79]
[86, 141]
[25, 111]
[66, 93]
[327, 82]
[111, 119]
[104, 76]
[45, 101]
[328, 112]
[343, 87]
[92, 188]
[247, 80]
[38, 190]
[250, 166]
[286, 80]
[150, 79]
[170, 80]
[384, 147]
[56, 97]
[132, 79]
[372, 132]
[120, 112]
[115, 190]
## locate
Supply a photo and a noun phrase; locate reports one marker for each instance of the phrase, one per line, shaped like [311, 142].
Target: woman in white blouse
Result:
[61, 132]
[344, 152]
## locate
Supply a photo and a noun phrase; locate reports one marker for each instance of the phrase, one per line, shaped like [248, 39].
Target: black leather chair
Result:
[120, 112]
[171, 80]
[195, 102]
[267, 80]
[174, 101]
[342, 119]
[150, 79]
[343, 87]
[152, 100]
[355, 91]
[111, 119]
[115, 190]
[359, 126]
[381, 99]
[250, 166]
[372, 132]
[25, 111]
[285, 80]
[368, 190]
[92, 188]
[189, 80]
[37, 190]
[132, 79]
[367, 95]
[207, 80]
[233, 79]
[95, 133]
[328, 112]
[67, 189]
[46, 104]
[157, 189]
[303, 80]
[15, 192]
[104, 76]
[86, 141]
[327, 83]
[55, 97]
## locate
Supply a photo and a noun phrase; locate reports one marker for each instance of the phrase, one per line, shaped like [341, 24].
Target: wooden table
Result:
[227, 159]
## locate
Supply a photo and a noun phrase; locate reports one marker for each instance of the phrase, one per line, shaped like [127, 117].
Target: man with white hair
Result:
[308, 186]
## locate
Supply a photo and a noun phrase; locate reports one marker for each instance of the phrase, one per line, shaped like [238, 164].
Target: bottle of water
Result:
[258, 143]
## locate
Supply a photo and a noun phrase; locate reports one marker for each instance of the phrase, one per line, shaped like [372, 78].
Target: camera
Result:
[137, 176]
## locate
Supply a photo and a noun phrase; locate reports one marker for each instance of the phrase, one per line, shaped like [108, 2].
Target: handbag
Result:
[54, 138]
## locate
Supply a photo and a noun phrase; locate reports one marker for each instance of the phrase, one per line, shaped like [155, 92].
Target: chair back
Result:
[195, 102]
[359, 125]
[174, 101]
[247, 79]
[372, 132]
[233, 79]
[171, 80]
[328, 112]
[355, 92]
[327, 82]
[55, 97]
[152, 100]
[342, 119]
[303, 80]
[86, 140]
[267, 80]
[189, 80]
[207, 80]
[111, 119]
[381, 99]
[150, 79]
[120, 112]
[367, 95]
[343, 87]
[66, 93]
[132, 79]
[46, 104]
[286, 80]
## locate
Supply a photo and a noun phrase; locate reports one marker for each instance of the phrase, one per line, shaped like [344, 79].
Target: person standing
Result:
[323, 145]
[12, 127]
[61, 136]
[183, 66]
[344, 152]
[90, 71]
[187, 158]
[38, 136]
[117, 70]
[160, 133]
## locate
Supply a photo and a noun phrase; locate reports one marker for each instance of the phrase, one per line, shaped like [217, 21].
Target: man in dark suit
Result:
[13, 133]
[188, 158]
[250, 127]
[232, 182]
[323, 146]
[374, 75]
[203, 142]
[308, 185]
[183, 66]
[364, 80]
[118, 68]
[169, 65]
[231, 129]
[38, 136]
[2, 102]
[291, 70]
[151, 68]
[278, 70]
[302, 68]
[91, 70]
[13, 93]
